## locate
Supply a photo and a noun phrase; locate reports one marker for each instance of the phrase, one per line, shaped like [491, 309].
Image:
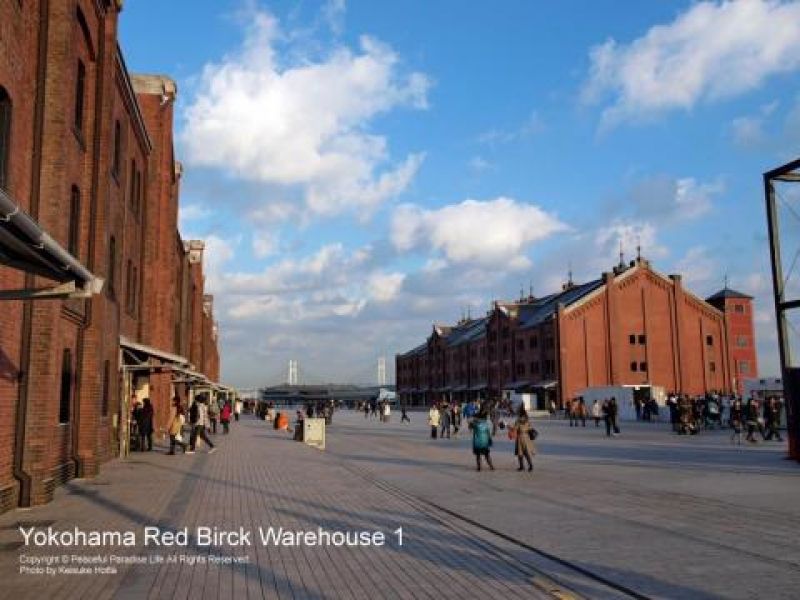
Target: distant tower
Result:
[293, 379]
[738, 310]
[382, 370]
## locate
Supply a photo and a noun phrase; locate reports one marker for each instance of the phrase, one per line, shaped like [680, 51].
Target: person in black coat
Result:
[144, 423]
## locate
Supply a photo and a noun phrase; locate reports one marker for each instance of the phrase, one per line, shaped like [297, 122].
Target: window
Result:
[112, 265]
[520, 369]
[634, 366]
[106, 384]
[135, 299]
[744, 367]
[73, 235]
[5, 136]
[712, 366]
[535, 367]
[632, 339]
[132, 185]
[739, 308]
[129, 285]
[64, 407]
[534, 342]
[709, 340]
[80, 92]
[642, 339]
[643, 367]
[115, 166]
[742, 341]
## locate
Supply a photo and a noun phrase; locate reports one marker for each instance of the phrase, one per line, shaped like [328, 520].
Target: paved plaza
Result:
[647, 514]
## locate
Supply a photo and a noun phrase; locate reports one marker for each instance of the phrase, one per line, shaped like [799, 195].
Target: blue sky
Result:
[360, 170]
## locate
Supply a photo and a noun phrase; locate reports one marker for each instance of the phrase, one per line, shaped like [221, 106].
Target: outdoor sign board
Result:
[314, 432]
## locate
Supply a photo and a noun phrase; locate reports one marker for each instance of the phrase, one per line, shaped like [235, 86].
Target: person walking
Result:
[433, 420]
[237, 409]
[198, 417]
[523, 444]
[751, 415]
[613, 411]
[145, 425]
[736, 420]
[573, 412]
[773, 419]
[455, 418]
[596, 413]
[212, 409]
[481, 440]
[403, 414]
[175, 428]
[366, 410]
[445, 420]
[387, 411]
[225, 418]
[581, 412]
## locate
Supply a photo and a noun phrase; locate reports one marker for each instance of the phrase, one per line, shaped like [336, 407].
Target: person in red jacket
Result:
[225, 417]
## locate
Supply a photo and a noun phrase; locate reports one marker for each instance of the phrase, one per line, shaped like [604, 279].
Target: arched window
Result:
[5, 136]
[73, 235]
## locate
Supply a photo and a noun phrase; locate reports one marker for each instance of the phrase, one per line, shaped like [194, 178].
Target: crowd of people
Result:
[689, 416]
[202, 418]
[483, 420]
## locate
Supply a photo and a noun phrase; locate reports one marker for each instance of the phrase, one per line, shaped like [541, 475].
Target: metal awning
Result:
[25, 246]
[477, 387]
[516, 385]
[545, 384]
[149, 351]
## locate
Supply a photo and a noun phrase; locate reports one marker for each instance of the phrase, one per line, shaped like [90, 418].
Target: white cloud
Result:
[193, 212]
[304, 126]
[264, 244]
[383, 287]
[699, 269]
[217, 253]
[748, 132]
[531, 126]
[629, 234]
[479, 164]
[673, 200]
[713, 50]
[493, 232]
[693, 199]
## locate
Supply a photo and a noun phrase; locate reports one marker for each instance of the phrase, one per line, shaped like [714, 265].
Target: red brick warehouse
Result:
[101, 298]
[632, 326]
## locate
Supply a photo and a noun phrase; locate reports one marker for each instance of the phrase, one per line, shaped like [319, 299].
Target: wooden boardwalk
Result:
[260, 478]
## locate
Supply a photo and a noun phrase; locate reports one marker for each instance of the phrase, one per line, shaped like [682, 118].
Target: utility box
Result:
[314, 432]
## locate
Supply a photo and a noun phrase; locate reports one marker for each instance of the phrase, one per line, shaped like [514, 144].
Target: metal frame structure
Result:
[788, 173]
[25, 246]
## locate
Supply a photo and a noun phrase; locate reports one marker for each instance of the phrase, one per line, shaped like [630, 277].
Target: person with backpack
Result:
[175, 428]
[198, 418]
[481, 439]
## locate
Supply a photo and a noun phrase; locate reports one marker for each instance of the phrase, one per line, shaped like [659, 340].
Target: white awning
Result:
[150, 351]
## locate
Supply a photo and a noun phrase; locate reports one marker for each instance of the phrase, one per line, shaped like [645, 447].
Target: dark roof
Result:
[726, 293]
[541, 309]
[467, 332]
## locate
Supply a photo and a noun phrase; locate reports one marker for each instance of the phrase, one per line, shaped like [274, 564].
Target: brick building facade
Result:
[632, 326]
[86, 151]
